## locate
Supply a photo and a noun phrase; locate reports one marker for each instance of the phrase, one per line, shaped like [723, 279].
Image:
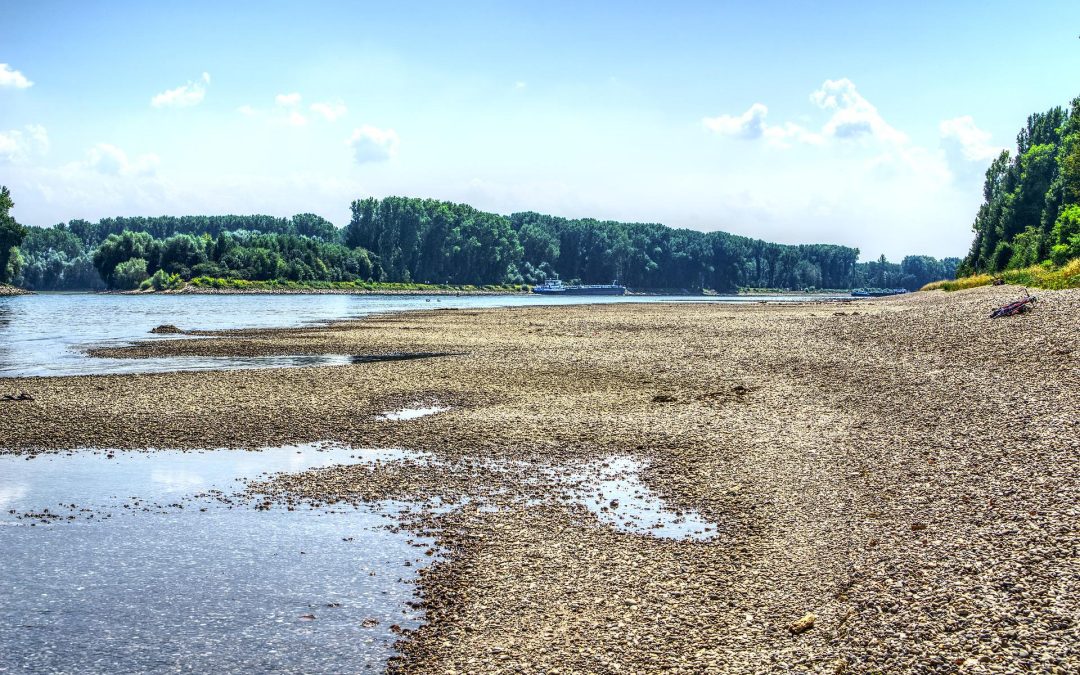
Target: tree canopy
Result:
[1031, 199]
[401, 239]
[11, 235]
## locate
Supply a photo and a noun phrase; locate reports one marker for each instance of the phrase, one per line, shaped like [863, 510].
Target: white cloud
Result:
[18, 145]
[111, 160]
[184, 96]
[296, 119]
[371, 144]
[752, 125]
[972, 143]
[329, 111]
[9, 77]
[287, 100]
[247, 111]
[853, 115]
[519, 85]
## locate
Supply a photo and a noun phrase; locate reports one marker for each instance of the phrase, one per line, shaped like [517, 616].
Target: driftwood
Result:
[20, 396]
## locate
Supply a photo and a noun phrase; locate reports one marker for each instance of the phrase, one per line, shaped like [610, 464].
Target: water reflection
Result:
[142, 562]
[48, 334]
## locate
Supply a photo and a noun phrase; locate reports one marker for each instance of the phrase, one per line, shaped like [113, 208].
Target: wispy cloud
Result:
[371, 144]
[17, 145]
[329, 111]
[9, 77]
[184, 96]
[972, 143]
[113, 161]
[288, 100]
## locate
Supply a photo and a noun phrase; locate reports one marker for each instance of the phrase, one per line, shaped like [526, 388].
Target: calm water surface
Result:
[137, 567]
[48, 334]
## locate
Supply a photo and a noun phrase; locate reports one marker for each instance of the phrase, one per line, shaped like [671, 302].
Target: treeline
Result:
[408, 240]
[126, 260]
[912, 273]
[1031, 209]
[123, 252]
[439, 242]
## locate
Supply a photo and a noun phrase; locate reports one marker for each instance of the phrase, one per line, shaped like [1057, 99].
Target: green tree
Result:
[129, 274]
[11, 235]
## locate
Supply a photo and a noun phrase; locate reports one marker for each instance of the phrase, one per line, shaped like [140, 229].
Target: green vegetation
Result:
[11, 235]
[1027, 230]
[1031, 213]
[402, 243]
[913, 272]
[1036, 276]
[440, 242]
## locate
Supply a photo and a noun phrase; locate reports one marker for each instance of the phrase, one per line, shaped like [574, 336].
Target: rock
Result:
[166, 329]
[802, 625]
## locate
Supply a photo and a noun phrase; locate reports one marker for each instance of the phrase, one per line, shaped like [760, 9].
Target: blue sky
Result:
[841, 122]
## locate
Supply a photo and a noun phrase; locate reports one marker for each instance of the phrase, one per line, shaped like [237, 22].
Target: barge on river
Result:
[877, 292]
[556, 287]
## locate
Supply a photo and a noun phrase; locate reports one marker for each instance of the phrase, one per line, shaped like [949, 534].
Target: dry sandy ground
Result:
[905, 469]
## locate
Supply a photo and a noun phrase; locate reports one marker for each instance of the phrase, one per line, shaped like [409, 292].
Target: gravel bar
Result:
[895, 482]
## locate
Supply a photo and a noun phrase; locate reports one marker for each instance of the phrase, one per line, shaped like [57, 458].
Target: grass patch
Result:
[1036, 276]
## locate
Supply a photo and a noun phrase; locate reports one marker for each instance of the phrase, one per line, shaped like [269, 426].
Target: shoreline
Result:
[855, 463]
[12, 291]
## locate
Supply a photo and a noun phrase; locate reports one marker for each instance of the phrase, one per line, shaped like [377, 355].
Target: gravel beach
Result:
[6, 290]
[905, 470]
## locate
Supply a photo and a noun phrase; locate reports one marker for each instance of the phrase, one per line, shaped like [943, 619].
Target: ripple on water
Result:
[143, 562]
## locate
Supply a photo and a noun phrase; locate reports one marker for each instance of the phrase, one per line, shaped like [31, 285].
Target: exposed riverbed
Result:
[50, 333]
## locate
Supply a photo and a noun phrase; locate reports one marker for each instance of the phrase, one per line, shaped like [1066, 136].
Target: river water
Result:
[144, 562]
[149, 562]
[48, 334]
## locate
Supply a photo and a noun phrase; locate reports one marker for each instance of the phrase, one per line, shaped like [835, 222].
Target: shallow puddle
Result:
[198, 363]
[410, 413]
[613, 490]
[134, 562]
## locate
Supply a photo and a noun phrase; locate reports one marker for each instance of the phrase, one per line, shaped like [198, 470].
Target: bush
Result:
[1044, 275]
[129, 274]
[959, 284]
[162, 281]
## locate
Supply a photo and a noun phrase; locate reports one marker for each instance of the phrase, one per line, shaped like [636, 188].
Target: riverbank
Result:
[209, 286]
[903, 468]
[6, 291]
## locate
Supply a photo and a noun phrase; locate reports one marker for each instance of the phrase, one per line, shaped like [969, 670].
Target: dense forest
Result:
[124, 252]
[439, 242]
[1031, 212]
[409, 240]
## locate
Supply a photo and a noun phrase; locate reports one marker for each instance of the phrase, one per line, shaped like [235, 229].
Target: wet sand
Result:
[904, 468]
